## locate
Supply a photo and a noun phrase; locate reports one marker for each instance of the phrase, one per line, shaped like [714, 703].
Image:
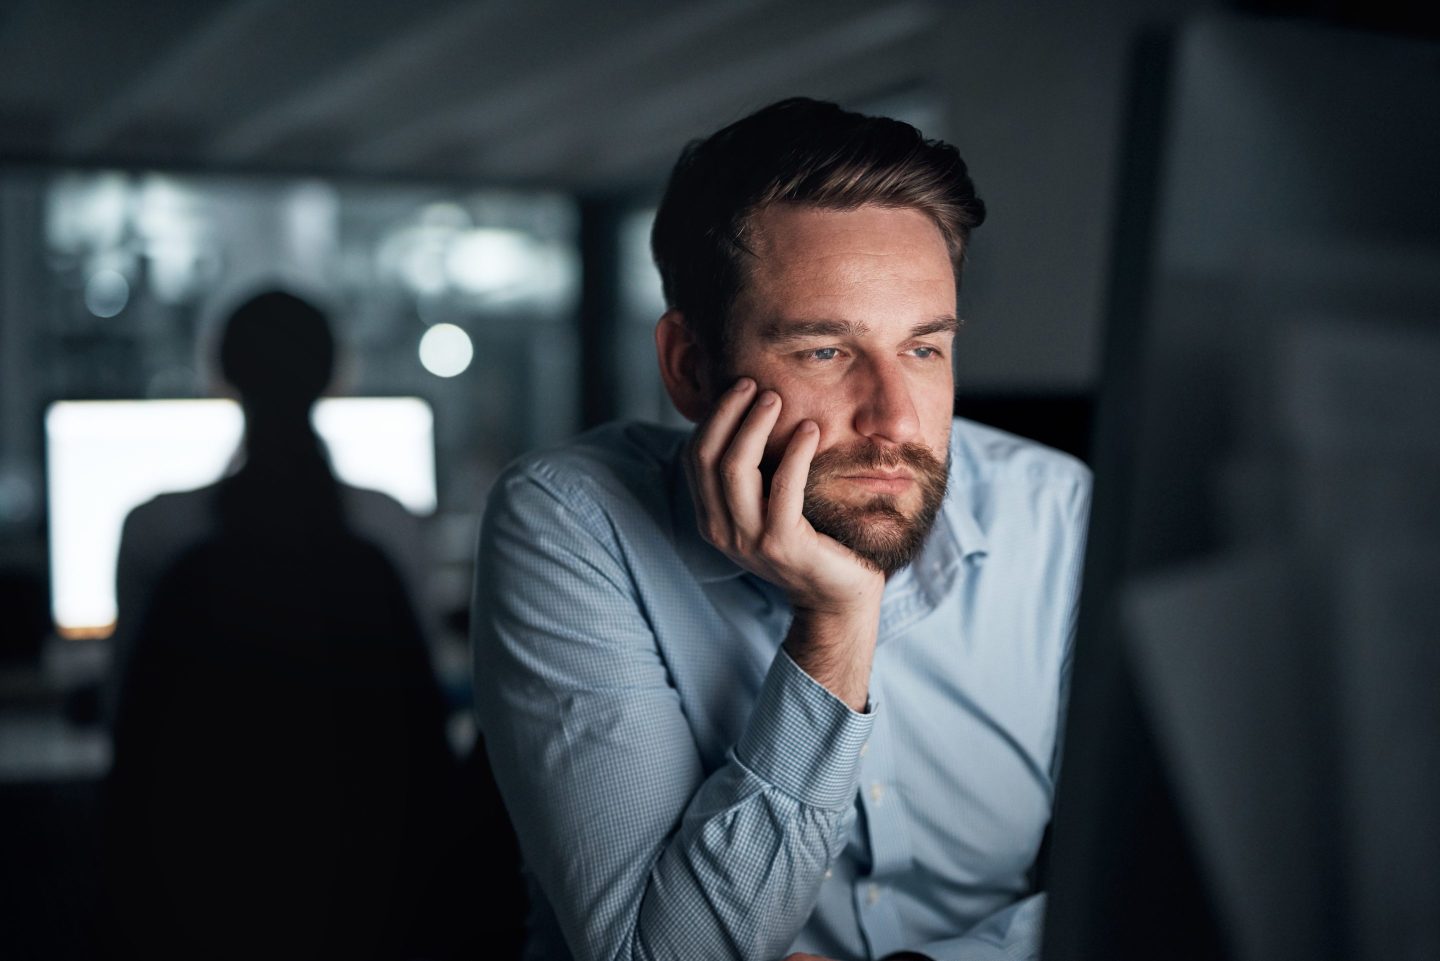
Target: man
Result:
[774, 686]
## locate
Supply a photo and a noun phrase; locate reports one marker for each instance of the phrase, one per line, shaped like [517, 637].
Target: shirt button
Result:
[828, 874]
[864, 746]
[877, 792]
[872, 894]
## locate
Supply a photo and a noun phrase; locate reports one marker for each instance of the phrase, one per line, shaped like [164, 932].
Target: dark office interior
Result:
[1211, 270]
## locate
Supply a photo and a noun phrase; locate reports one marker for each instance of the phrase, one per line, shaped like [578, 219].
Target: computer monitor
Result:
[1252, 756]
[104, 458]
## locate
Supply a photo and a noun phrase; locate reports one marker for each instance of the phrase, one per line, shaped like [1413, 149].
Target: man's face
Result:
[850, 317]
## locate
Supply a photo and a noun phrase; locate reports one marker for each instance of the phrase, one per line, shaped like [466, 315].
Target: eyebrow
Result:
[780, 330]
[940, 325]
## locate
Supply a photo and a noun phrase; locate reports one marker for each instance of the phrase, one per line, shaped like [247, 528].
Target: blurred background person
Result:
[276, 354]
[281, 779]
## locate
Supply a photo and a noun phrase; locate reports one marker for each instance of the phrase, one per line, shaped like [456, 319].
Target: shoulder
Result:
[592, 511]
[158, 531]
[368, 504]
[613, 468]
[174, 512]
[382, 521]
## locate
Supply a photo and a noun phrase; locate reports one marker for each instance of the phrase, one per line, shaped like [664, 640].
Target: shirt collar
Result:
[967, 537]
[955, 538]
[965, 530]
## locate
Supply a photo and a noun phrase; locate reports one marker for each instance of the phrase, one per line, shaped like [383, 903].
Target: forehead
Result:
[867, 264]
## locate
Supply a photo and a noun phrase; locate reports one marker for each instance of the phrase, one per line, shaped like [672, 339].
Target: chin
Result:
[878, 532]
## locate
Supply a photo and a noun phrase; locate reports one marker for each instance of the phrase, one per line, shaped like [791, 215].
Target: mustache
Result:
[866, 455]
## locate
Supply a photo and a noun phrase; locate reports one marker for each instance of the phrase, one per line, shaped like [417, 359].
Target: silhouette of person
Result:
[274, 349]
[281, 777]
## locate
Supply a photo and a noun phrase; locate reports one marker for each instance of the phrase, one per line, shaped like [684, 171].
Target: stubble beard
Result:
[877, 531]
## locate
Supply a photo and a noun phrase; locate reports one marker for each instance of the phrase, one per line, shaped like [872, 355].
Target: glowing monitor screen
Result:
[106, 457]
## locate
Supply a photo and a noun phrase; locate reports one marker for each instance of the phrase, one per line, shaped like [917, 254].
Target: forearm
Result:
[733, 870]
[761, 833]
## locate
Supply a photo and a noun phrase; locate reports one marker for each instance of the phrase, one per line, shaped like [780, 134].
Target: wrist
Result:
[857, 603]
[835, 648]
[834, 622]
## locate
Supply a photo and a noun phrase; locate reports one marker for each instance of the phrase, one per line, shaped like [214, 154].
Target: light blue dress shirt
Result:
[682, 790]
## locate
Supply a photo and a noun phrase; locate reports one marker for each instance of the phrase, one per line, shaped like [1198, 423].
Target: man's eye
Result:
[925, 353]
[823, 353]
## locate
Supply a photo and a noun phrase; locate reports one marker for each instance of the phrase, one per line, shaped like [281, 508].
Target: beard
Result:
[877, 531]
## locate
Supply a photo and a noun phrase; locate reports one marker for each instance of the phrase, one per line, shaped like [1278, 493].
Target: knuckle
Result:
[771, 547]
[731, 468]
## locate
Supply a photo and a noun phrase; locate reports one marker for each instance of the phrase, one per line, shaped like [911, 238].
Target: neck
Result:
[283, 435]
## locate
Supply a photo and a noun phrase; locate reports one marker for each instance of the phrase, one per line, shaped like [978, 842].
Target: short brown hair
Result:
[797, 151]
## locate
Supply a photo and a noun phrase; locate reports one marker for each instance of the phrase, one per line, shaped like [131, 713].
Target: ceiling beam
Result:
[655, 122]
[543, 89]
[214, 40]
[434, 57]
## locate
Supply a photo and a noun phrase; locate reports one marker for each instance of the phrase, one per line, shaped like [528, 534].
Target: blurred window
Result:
[464, 298]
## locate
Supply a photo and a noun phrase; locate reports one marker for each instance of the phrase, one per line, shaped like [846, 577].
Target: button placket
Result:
[887, 835]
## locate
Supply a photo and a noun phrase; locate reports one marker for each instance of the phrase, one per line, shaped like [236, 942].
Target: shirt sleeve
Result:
[639, 851]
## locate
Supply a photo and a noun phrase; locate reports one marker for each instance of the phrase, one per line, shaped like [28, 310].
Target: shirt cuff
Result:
[803, 739]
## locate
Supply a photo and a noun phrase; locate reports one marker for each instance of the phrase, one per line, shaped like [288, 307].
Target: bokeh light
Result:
[106, 293]
[445, 350]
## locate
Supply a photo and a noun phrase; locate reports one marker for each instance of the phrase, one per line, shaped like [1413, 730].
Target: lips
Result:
[881, 483]
[873, 469]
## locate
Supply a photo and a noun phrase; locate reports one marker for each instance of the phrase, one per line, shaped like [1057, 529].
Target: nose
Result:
[885, 409]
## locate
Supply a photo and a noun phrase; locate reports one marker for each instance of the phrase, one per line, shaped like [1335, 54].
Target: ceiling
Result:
[589, 96]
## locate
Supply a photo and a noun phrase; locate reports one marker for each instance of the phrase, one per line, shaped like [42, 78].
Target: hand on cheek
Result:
[767, 533]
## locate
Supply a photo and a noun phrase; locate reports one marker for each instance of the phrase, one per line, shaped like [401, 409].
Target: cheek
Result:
[934, 400]
[938, 421]
[798, 405]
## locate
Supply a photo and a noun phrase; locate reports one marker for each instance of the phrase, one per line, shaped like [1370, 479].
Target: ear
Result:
[682, 367]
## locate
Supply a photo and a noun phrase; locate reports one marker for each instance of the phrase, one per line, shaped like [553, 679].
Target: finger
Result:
[740, 478]
[711, 440]
[787, 487]
[713, 437]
